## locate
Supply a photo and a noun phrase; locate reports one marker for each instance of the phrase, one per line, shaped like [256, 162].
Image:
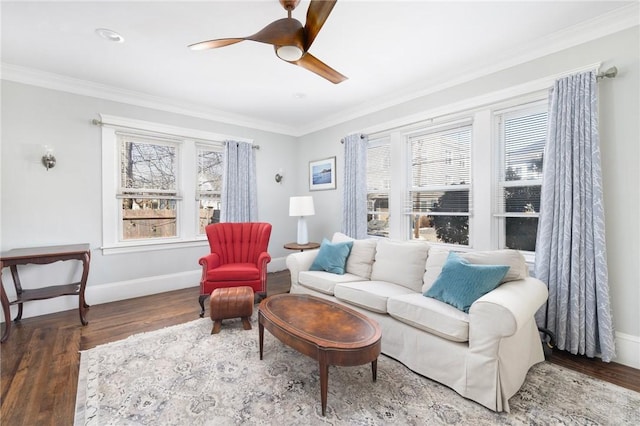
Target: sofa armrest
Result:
[301, 261]
[504, 311]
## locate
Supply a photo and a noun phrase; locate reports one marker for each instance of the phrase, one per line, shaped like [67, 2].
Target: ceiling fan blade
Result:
[317, 14]
[212, 44]
[283, 32]
[313, 64]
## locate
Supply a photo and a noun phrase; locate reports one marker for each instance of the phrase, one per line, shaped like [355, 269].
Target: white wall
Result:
[63, 205]
[619, 133]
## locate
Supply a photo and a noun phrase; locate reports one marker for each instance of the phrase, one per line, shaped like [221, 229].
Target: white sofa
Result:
[484, 354]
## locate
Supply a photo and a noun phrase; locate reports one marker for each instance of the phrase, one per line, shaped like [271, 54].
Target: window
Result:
[378, 186]
[522, 136]
[209, 186]
[440, 184]
[161, 185]
[148, 187]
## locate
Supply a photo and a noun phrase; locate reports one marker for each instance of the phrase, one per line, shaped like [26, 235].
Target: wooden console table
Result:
[43, 256]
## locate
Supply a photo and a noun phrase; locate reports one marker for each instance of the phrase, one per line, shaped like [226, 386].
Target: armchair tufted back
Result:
[238, 242]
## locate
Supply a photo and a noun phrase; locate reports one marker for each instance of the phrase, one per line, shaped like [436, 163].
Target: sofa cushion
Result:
[460, 283]
[435, 262]
[400, 262]
[430, 315]
[518, 269]
[360, 261]
[513, 258]
[370, 295]
[324, 282]
[332, 257]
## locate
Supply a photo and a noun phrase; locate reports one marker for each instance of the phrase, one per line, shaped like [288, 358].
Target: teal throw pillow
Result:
[461, 283]
[332, 257]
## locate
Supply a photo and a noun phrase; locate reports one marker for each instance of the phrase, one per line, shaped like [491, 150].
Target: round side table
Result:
[301, 247]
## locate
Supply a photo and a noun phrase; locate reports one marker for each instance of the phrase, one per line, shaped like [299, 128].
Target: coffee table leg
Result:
[324, 384]
[374, 369]
[261, 334]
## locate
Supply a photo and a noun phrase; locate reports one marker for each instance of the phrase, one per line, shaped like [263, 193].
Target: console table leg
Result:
[6, 311]
[19, 316]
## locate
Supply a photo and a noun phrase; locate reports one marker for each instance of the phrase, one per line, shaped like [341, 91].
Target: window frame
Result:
[187, 228]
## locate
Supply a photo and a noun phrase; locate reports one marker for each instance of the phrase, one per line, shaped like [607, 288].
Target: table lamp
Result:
[301, 207]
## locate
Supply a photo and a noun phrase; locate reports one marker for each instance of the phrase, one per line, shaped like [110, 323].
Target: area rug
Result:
[183, 375]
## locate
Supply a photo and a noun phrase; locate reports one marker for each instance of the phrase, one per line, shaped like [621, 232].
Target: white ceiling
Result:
[390, 50]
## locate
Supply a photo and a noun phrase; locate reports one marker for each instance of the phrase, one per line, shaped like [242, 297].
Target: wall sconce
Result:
[48, 159]
[279, 176]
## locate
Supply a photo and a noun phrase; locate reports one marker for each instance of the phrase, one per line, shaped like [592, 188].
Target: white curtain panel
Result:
[570, 248]
[239, 184]
[354, 188]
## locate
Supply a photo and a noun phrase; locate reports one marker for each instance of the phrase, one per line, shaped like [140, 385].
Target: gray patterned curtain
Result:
[570, 247]
[239, 187]
[354, 188]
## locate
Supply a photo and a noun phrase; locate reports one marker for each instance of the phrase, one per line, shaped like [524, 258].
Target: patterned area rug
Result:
[183, 375]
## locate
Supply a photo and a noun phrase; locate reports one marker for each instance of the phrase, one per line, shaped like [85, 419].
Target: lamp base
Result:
[303, 237]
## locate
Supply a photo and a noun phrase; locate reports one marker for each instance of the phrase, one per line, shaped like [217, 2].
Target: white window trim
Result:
[187, 229]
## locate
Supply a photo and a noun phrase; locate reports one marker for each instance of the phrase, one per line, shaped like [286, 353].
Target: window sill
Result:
[152, 246]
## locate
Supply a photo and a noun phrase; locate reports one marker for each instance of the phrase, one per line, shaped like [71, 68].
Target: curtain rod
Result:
[609, 73]
[97, 122]
[362, 136]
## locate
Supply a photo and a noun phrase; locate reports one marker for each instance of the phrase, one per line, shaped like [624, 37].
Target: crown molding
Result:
[47, 80]
[615, 21]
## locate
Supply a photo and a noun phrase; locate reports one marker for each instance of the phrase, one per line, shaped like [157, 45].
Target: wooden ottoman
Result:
[231, 302]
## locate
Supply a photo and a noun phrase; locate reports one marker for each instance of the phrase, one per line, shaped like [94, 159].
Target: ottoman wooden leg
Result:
[216, 326]
[245, 323]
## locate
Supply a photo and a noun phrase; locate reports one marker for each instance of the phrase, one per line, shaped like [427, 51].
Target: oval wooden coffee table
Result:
[328, 332]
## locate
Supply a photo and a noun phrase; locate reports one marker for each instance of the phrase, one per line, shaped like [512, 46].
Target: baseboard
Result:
[121, 290]
[628, 350]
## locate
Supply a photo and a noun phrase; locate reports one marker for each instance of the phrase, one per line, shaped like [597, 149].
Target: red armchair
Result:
[238, 257]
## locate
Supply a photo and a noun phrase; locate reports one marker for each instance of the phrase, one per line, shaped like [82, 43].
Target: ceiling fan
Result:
[290, 39]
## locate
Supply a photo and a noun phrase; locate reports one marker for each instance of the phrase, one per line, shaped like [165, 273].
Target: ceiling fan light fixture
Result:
[289, 53]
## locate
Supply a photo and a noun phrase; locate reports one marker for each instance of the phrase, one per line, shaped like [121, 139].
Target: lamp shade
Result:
[301, 206]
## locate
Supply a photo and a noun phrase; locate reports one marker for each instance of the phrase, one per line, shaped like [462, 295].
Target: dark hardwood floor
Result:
[39, 368]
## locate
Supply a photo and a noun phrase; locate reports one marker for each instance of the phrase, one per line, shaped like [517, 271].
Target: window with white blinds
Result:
[440, 184]
[522, 136]
[378, 187]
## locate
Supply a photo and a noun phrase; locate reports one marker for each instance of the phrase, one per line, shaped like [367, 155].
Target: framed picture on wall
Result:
[322, 174]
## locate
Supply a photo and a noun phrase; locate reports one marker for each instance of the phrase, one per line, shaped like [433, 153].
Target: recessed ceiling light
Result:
[110, 35]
